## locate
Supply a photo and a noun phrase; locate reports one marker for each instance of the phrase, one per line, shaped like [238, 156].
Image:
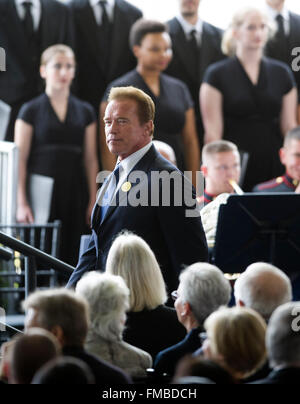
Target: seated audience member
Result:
[64, 370]
[201, 371]
[290, 157]
[150, 325]
[202, 290]
[263, 288]
[30, 352]
[108, 298]
[283, 345]
[236, 340]
[221, 164]
[175, 116]
[165, 150]
[65, 314]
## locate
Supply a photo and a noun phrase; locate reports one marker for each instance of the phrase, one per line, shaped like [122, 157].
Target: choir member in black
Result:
[249, 99]
[175, 117]
[56, 136]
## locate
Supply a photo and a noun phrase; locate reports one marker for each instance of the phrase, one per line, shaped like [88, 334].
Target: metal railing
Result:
[33, 256]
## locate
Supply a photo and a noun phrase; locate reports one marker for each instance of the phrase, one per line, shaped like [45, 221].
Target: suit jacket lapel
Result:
[181, 48]
[121, 196]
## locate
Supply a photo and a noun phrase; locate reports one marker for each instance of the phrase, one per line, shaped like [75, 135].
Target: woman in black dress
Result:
[56, 136]
[249, 99]
[174, 116]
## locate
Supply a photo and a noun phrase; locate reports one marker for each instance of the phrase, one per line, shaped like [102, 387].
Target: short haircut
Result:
[30, 352]
[53, 50]
[293, 134]
[61, 307]
[237, 335]
[205, 288]
[219, 146]
[263, 288]
[132, 258]
[108, 299]
[283, 339]
[145, 104]
[143, 27]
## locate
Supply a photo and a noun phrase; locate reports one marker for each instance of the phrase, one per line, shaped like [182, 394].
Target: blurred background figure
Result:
[175, 118]
[196, 44]
[56, 136]
[102, 48]
[257, 112]
[64, 370]
[150, 325]
[108, 299]
[27, 28]
[236, 340]
[166, 151]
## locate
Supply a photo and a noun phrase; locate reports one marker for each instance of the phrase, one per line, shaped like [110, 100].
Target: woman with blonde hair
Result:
[56, 136]
[249, 99]
[151, 325]
[236, 340]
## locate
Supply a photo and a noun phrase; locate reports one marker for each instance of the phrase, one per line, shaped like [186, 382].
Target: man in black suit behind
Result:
[25, 32]
[286, 38]
[135, 195]
[102, 52]
[196, 45]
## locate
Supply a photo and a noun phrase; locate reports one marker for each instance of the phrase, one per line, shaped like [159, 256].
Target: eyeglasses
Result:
[174, 295]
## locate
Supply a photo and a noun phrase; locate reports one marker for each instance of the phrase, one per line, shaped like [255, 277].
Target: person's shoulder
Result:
[221, 66]
[173, 81]
[269, 186]
[34, 104]
[126, 79]
[81, 103]
[212, 29]
[295, 17]
[276, 65]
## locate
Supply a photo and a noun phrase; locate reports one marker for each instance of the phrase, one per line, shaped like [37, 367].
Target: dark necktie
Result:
[281, 40]
[108, 196]
[194, 52]
[104, 33]
[28, 20]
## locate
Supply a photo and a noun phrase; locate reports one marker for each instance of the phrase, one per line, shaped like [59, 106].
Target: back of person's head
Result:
[203, 368]
[283, 336]
[239, 17]
[205, 288]
[131, 258]
[165, 150]
[236, 338]
[64, 370]
[143, 27]
[59, 308]
[263, 288]
[54, 50]
[219, 146]
[108, 299]
[30, 352]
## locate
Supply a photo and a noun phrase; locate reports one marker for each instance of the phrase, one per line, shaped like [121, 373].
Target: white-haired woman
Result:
[249, 99]
[150, 325]
[108, 299]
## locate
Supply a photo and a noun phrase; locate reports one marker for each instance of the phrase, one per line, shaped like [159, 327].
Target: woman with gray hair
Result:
[150, 325]
[108, 299]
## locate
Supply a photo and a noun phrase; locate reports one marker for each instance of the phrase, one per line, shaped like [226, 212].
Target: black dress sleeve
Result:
[27, 113]
[213, 77]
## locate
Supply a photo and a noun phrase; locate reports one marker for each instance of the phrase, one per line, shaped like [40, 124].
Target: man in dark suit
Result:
[26, 30]
[196, 45]
[102, 52]
[287, 37]
[140, 195]
[283, 345]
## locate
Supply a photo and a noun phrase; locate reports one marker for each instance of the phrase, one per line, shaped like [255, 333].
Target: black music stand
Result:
[259, 227]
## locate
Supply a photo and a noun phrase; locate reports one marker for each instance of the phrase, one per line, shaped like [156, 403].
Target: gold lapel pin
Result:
[126, 186]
